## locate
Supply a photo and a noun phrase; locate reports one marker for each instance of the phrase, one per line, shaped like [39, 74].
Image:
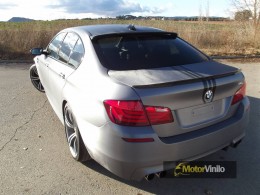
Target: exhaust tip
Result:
[161, 174]
[149, 177]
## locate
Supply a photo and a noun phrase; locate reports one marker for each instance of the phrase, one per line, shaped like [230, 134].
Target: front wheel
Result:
[76, 145]
[35, 79]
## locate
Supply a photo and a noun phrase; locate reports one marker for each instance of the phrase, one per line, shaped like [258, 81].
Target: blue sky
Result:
[55, 9]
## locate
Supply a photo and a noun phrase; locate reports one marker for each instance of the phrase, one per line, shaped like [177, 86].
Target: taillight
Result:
[133, 113]
[158, 115]
[130, 113]
[239, 95]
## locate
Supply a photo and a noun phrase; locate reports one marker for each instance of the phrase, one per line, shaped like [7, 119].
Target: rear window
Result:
[133, 52]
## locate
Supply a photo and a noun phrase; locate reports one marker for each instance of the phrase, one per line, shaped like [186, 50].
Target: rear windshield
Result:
[133, 52]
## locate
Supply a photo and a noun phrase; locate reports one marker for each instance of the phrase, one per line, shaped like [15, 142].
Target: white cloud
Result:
[57, 9]
[4, 6]
[104, 7]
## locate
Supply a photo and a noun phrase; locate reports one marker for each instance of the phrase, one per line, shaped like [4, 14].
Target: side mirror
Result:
[38, 51]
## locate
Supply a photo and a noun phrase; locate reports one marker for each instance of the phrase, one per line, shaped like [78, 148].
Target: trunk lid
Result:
[170, 75]
[183, 90]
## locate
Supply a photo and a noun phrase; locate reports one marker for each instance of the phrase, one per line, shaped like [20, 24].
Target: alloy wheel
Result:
[35, 79]
[71, 132]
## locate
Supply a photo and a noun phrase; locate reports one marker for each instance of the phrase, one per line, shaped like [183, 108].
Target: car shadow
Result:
[243, 183]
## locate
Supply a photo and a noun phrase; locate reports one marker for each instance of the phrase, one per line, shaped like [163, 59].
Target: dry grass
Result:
[214, 38]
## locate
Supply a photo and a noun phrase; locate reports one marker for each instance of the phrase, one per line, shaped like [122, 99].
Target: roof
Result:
[106, 29]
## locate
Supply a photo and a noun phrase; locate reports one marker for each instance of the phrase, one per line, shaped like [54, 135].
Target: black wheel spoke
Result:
[35, 71]
[72, 139]
[39, 85]
[35, 79]
[68, 121]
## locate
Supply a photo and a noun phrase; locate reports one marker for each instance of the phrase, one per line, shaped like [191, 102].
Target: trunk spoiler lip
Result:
[134, 33]
[169, 84]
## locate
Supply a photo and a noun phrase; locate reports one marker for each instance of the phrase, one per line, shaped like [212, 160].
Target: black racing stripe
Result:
[210, 83]
[214, 84]
[206, 82]
[195, 75]
[206, 87]
[214, 87]
[211, 86]
[184, 71]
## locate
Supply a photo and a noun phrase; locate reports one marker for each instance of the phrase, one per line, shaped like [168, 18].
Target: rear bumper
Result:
[135, 160]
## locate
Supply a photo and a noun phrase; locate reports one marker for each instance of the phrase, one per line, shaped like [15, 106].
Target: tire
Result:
[35, 79]
[74, 139]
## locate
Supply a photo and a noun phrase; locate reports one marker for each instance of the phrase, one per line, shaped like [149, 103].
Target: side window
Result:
[67, 46]
[77, 54]
[54, 45]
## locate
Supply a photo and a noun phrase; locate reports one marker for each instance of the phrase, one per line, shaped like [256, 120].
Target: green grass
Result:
[214, 38]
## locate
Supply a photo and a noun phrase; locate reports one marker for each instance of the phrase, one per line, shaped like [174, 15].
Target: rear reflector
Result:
[138, 140]
[133, 113]
[239, 95]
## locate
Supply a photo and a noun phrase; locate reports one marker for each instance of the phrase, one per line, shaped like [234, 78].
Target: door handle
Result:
[62, 75]
[46, 64]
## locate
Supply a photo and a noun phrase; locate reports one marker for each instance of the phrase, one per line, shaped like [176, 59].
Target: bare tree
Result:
[203, 17]
[207, 11]
[252, 6]
[200, 13]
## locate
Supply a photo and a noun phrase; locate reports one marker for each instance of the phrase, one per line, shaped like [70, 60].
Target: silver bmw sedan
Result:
[133, 97]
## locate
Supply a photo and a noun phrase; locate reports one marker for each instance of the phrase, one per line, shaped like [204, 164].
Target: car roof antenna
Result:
[132, 27]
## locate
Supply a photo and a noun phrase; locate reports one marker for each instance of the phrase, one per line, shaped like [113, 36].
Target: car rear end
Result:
[186, 105]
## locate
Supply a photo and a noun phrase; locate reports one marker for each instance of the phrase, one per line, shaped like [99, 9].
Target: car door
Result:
[59, 70]
[43, 61]
[43, 71]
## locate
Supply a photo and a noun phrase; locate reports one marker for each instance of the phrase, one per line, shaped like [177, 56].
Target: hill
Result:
[19, 19]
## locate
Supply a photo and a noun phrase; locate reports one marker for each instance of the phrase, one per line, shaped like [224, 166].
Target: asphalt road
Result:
[35, 159]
